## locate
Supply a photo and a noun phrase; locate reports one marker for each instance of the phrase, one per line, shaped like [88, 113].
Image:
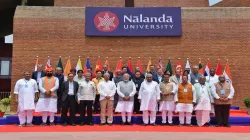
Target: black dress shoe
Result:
[82, 123]
[129, 123]
[64, 124]
[73, 124]
[110, 124]
[153, 124]
[52, 124]
[163, 124]
[102, 124]
[144, 124]
[43, 124]
[171, 124]
[91, 124]
[190, 125]
[218, 125]
[123, 123]
[227, 125]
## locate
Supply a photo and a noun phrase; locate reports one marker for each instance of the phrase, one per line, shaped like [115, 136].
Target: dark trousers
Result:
[69, 103]
[97, 103]
[83, 105]
[59, 102]
[136, 104]
[222, 114]
[116, 98]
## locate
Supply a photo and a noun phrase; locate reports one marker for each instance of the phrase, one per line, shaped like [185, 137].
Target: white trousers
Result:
[23, 114]
[202, 117]
[45, 116]
[152, 117]
[124, 116]
[188, 116]
[170, 116]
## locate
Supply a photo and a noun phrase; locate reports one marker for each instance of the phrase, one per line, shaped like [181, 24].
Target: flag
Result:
[201, 71]
[139, 65]
[67, 68]
[107, 63]
[59, 64]
[148, 67]
[207, 68]
[79, 65]
[218, 69]
[98, 65]
[87, 65]
[188, 68]
[48, 64]
[118, 66]
[37, 63]
[227, 73]
[169, 67]
[178, 66]
[160, 63]
[130, 67]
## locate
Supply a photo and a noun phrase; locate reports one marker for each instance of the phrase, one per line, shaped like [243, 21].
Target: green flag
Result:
[169, 67]
[60, 64]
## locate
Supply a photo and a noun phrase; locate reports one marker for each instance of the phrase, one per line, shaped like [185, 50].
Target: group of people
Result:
[126, 94]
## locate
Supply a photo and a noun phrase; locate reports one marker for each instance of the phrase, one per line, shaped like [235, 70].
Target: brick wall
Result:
[85, 3]
[207, 33]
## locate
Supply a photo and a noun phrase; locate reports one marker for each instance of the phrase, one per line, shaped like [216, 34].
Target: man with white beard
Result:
[126, 91]
[149, 96]
[25, 91]
[204, 100]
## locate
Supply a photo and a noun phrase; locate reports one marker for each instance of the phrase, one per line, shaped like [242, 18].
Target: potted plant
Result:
[5, 103]
[247, 103]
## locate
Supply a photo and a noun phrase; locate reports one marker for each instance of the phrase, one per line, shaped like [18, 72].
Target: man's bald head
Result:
[202, 80]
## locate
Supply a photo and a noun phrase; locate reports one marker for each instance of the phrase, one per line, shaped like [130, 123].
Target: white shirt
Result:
[38, 76]
[106, 88]
[212, 79]
[71, 88]
[26, 89]
[78, 79]
[86, 91]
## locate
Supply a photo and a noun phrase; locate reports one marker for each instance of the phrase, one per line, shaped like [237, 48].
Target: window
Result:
[5, 68]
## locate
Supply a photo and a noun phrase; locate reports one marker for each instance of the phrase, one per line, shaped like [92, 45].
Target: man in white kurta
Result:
[107, 90]
[126, 91]
[167, 105]
[47, 103]
[185, 98]
[204, 101]
[212, 79]
[26, 90]
[149, 96]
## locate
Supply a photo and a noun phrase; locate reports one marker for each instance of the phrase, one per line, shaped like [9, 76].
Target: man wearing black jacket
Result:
[105, 70]
[137, 80]
[37, 75]
[69, 99]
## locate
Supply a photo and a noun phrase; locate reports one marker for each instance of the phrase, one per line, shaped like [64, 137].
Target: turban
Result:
[49, 69]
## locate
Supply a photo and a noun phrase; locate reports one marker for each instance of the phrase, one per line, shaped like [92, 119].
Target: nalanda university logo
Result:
[106, 21]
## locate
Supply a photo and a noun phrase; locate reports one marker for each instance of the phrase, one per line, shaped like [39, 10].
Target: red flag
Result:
[178, 66]
[218, 69]
[118, 66]
[98, 65]
[139, 65]
[130, 67]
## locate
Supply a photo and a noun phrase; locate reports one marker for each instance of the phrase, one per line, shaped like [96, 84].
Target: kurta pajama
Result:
[149, 94]
[26, 89]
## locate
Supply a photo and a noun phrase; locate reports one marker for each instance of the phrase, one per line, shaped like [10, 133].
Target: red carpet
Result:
[116, 128]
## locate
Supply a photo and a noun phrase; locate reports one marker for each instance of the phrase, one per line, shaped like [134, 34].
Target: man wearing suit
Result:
[105, 70]
[69, 99]
[160, 75]
[177, 78]
[154, 74]
[37, 75]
